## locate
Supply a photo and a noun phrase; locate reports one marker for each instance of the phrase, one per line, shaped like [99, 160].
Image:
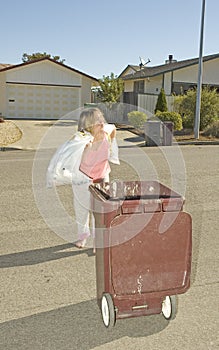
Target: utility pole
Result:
[199, 85]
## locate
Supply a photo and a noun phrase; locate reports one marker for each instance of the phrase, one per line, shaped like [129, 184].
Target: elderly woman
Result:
[84, 160]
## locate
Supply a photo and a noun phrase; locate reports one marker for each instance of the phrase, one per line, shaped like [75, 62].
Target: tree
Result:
[161, 104]
[111, 88]
[38, 55]
[209, 112]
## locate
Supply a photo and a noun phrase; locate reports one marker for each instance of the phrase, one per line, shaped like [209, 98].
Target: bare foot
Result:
[80, 243]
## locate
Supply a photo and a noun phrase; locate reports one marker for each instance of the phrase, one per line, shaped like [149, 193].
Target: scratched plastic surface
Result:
[151, 261]
[119, 190]
[146, 244]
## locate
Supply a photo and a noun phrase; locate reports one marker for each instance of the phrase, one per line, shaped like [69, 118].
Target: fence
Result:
[148, 102]
[117, 112]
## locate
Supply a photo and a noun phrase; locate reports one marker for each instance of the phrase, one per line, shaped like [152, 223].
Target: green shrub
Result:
[137, 119]
[161, 104]
[213, 130]
[173, 117]
[209, 109]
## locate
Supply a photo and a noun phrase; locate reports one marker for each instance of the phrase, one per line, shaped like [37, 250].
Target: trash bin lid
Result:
[132, 190]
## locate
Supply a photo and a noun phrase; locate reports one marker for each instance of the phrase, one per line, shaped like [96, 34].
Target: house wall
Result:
[153, 85]
[86, 91]
[129, 71]
[2, 95]
[43, 72]
[168, 83]
[42, 90]
[188, 74]
[210, 73]
[128, 86]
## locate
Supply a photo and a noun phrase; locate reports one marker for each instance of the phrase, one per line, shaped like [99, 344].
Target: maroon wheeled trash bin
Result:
[167, 133]
[143, 249]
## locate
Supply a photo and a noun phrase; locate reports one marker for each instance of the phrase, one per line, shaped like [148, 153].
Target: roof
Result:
[5, 67]
[132, 66]
[167, 67]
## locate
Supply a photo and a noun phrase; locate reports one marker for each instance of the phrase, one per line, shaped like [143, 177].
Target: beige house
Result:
[42, 89]
[142, 84]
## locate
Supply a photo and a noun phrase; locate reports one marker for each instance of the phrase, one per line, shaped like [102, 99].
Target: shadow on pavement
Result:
[36, 256]
[72, 327]
[135, 139]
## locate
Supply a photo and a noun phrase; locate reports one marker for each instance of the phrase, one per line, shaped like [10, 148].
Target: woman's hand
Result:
[99, 135]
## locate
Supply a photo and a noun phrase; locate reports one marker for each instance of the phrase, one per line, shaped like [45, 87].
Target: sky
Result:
[98, 37]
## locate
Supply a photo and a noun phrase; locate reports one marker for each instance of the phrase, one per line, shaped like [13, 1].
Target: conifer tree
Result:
[161, 104]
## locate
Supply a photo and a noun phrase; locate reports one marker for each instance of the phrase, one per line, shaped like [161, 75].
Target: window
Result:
[139, 86]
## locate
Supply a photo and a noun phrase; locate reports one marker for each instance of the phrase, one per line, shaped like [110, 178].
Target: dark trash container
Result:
[143, 249]
[90, 105]
[167, 133]
[153, 133]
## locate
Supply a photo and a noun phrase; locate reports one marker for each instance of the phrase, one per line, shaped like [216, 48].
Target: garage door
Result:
[41, 102]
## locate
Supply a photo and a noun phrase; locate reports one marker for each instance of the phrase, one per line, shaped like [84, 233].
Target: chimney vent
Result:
[170, 59]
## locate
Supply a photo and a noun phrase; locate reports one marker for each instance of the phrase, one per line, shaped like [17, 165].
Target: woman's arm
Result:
[113, 133]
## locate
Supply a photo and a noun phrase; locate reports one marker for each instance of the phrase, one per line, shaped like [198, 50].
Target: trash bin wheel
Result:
[108, 310]
[169, 307]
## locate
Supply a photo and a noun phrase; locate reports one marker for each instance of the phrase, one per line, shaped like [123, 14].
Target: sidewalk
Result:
[47, 133]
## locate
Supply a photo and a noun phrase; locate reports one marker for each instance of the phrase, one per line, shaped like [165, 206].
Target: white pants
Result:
[83, 213]
[82, 207]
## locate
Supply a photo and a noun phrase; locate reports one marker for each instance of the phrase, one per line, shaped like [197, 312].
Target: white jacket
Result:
[64, 166]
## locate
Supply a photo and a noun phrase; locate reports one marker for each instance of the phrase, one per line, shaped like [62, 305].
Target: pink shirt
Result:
[95, 164]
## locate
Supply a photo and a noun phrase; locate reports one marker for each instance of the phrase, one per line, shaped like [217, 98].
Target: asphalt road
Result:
[47, 287]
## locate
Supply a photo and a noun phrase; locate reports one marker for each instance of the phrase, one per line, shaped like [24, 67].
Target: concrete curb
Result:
[198, 143]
